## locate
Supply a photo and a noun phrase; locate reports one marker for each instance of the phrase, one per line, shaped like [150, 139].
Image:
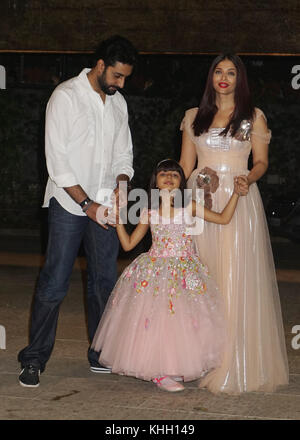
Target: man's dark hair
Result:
[116, 49]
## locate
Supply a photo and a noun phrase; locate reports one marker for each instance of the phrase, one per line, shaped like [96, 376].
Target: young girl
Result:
[164, 319]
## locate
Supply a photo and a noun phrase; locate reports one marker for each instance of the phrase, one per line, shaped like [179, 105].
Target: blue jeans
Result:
[66, 232]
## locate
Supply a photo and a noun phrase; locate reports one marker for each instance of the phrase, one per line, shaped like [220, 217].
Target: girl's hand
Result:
[106, 216]
[236, 188]
[243, 185]
[119, 196]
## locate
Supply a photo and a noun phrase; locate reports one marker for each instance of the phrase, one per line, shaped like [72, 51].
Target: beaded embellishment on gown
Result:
[165, 315]
[240, 259]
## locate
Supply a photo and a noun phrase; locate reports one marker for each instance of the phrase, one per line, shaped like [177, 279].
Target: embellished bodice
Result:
[224, 153]
[170, 237]
[171, 266]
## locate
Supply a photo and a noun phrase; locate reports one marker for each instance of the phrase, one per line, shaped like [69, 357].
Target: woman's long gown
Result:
[239, 256]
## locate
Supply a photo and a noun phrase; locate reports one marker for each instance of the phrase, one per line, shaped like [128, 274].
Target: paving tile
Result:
[116, 397]
[67, 367]
[9, 386]
[294, 364]
[16, 324]
[65, 348]
[8, 363]
[53, 386]
[248, 404]
[277, 406]
[24, 409]
[13, 408]
[15, 344]
[292, 388]
[69, 331]
[113, 413]
[69, 391]
[185, 415]
[196, 400]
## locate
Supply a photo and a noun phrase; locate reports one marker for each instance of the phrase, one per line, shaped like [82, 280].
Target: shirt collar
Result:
[87, 85]
[84, 79]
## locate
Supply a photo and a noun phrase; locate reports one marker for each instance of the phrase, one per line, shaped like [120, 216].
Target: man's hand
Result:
[120, 195]
[102, 215]
[119, 199]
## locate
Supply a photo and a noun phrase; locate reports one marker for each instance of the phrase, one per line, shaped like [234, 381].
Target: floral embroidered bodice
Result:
[170, 239]
[170, 266]
[224, 153]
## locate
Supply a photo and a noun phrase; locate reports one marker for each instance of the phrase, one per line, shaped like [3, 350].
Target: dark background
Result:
[176, 26]
[159, 92]
[44, 43]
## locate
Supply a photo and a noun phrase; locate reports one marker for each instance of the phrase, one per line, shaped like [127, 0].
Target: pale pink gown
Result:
[165, 315]
[239, 256]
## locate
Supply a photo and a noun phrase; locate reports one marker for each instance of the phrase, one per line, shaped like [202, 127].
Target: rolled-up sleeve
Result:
[56, 139]
[123, 156]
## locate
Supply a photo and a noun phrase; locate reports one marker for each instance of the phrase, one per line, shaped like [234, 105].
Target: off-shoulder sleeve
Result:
[262, 135]
[187, 122]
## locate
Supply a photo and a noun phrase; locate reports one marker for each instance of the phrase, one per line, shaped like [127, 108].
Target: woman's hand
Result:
[242, 185]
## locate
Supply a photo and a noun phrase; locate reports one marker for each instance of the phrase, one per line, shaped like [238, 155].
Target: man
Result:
[89, 152]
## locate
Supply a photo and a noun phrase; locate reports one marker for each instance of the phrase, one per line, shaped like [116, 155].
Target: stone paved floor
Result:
[69, 391]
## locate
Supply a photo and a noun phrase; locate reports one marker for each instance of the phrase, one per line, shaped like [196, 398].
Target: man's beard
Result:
[106, 88]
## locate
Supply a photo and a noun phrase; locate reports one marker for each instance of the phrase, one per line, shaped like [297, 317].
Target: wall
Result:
[174, 84]
[197, 26]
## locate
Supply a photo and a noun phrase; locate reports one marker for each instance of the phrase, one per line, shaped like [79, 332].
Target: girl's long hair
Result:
[243, 107]
[166, 165]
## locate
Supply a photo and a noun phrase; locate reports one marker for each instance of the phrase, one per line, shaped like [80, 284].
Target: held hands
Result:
[236, 186]
[119, 199]
[119, 196]
[241, 185]
[105, 215]
[102, 215]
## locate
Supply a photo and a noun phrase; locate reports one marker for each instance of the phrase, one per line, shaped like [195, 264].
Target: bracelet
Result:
[87, 205]
[84, 202]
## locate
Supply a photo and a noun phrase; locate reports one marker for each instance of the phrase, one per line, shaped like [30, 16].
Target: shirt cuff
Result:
[127, 170]
[64, 180]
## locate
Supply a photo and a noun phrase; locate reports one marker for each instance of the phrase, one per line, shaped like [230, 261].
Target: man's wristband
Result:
[85, 204]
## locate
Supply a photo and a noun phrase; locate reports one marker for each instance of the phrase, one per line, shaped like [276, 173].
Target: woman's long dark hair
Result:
[243, 108]
[166, 165]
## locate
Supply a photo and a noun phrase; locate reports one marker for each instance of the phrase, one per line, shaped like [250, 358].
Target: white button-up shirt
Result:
[87, 142]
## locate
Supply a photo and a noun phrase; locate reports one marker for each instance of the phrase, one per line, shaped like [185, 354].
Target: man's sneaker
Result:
[29, 376]
[99, 369]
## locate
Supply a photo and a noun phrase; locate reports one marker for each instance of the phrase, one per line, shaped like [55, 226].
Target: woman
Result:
[220, 134]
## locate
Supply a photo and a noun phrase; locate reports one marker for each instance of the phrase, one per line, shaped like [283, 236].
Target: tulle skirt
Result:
[165, 316]
[240, 259]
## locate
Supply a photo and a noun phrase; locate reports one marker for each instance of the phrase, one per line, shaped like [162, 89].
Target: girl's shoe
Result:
[167, 384]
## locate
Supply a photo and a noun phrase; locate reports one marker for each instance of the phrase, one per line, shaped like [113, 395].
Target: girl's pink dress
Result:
[165, 314]
[239, 256]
